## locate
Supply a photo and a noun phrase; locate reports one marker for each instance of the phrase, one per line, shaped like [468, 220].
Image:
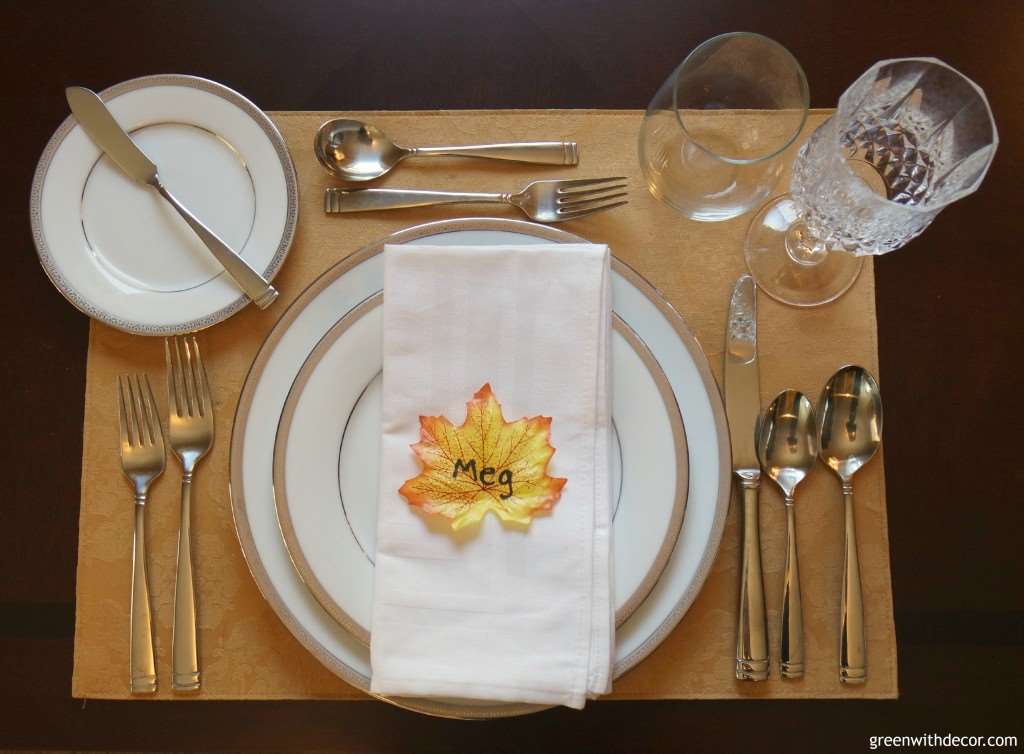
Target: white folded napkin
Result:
[497, 611]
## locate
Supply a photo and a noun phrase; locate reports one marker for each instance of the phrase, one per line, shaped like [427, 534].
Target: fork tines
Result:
[187, 385]
[137, 413]
[584, 196]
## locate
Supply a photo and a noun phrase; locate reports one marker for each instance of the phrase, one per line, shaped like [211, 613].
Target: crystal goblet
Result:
[909, 137]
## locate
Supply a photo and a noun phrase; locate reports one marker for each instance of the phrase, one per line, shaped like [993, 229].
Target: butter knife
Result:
[743, 407]
[97, 121]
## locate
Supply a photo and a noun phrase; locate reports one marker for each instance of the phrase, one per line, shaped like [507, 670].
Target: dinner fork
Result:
[142, 460]
[543, 201]
[191, 431]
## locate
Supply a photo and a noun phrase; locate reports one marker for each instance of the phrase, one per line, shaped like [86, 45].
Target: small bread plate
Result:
[118, 252]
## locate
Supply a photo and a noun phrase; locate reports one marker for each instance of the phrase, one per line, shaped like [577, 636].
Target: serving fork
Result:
[543, 201]
[191, 435]
[142, 460]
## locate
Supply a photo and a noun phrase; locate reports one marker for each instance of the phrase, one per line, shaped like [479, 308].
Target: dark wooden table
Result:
[950, 327]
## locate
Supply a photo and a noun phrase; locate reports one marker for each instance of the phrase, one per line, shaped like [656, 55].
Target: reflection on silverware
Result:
[97, 121]
[743, 407]
[191, 434]
[787, 447]
[142, 460]
[357, 151]
[849, 433]
[543, 201]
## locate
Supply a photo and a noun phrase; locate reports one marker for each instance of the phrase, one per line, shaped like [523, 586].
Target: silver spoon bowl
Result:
[356, 151]
[786, 448]
[787, 443]
[849, 432]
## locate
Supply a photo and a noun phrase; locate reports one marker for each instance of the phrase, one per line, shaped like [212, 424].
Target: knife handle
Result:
[251, 282]
[752, 634]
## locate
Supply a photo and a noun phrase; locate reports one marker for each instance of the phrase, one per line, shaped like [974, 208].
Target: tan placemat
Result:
[247, 653]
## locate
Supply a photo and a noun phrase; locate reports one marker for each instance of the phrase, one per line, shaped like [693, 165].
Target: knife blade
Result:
[98, 122]
[743, 408]
[94, 117]
[742, 381]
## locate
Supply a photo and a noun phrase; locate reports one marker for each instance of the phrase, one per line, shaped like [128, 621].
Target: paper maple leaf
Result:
[487, 464]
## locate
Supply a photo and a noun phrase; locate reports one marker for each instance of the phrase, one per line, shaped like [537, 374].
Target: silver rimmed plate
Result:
[355, 280]
[118, 252]
[326, 467]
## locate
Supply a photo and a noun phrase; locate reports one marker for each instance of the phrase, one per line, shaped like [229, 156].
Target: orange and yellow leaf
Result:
[487, 464]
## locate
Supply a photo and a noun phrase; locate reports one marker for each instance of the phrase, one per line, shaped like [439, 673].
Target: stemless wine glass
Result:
[713, 136]
[909, 137]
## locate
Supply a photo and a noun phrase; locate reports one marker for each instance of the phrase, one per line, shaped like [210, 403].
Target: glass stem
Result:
[804, 247]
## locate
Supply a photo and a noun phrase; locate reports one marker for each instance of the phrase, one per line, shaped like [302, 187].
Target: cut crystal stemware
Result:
[909, 137]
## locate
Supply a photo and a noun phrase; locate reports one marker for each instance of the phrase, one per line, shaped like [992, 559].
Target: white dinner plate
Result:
[343, 288]
[119, 252]
[327, 467]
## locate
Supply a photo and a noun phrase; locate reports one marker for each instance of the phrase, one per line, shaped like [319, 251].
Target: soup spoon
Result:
[787, 447]
[849, 433]
[357, 151]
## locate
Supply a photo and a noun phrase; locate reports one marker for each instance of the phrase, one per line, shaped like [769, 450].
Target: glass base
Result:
[793, 274]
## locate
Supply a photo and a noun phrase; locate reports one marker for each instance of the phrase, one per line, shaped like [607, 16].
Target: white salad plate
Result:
[332, 333]
[119, 252]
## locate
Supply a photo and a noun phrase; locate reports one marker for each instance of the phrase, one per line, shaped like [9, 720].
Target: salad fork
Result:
[142, 460]
[191, 431]
[543, 201]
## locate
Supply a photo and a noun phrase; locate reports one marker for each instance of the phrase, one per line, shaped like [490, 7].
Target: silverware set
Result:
[142, 460]
[357, 152]
[786, 449]
[143, 457]
[742, 408]
[787, 438]
[849, 426]
[543, 201]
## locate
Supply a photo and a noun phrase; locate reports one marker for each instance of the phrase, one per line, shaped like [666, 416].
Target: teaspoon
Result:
[357, 151]
[849, 433]
[787, 447]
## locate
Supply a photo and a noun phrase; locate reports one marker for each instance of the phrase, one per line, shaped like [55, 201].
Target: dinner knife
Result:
[742, 408]
[98, 122]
